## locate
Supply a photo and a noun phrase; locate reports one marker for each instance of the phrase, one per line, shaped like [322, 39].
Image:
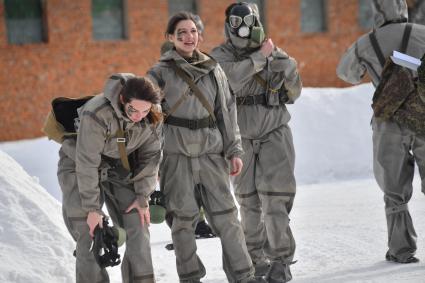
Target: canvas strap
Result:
[378, 50]
[194, 88]
[260, 80]
[121, 142]
[176, 105]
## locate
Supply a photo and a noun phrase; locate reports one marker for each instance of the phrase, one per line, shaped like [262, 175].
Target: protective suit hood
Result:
[388, 11]
[113, 89]
[201, 65]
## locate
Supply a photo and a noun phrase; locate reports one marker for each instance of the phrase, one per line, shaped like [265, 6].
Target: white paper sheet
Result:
[405, 60]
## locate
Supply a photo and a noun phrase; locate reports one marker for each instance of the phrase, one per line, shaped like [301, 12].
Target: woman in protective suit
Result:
[113, 160]
[264, 78]
[202, 230]
[201, 139]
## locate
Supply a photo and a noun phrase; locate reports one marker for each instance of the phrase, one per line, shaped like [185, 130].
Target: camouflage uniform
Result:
[395, 147]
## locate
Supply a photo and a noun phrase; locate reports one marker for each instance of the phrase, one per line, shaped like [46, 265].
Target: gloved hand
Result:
[421, 70]
[280, 61]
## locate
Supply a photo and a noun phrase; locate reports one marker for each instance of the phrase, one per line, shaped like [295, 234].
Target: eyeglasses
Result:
[236, 21]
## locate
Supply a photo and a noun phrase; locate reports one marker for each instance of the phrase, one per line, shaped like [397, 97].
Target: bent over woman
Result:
[201, 138]
[92, 171]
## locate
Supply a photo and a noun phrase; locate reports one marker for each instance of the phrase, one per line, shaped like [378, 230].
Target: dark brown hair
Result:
[143, 89]
[176, 18]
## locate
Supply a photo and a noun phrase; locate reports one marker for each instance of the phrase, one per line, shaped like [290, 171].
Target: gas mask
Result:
[242, 21]
[105, 244]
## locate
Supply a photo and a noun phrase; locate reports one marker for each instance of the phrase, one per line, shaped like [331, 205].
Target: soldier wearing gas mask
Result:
[263, 79]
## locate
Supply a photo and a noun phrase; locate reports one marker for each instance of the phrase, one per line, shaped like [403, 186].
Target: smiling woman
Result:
[201, 140]
[183, 33]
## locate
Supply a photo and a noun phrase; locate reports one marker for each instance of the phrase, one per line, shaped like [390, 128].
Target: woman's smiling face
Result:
[185, 37]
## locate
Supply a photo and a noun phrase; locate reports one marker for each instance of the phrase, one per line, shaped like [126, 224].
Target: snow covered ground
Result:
[338, 218]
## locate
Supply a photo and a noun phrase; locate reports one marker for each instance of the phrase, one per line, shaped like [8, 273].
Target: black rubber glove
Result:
[421, 70]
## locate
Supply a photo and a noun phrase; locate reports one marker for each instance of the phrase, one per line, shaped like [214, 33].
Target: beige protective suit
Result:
[195, 169]
[395, 147]
[90, 173]
[266, 187]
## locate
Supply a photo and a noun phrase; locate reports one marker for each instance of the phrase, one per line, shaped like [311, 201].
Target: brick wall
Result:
[71, 63]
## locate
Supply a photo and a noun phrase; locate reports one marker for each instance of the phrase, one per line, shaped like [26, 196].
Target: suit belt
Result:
[252, 99]
[258, 99]
[190, 124]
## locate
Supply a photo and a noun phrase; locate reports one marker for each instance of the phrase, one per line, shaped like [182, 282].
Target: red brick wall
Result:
[318, 53]
[71, 63]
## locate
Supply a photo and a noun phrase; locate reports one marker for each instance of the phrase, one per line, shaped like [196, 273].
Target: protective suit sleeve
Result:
[240, 72]
[226, 114]
[69, 147]
[350, 68]
[292, 80]
[146, 171]
[90, 143]
[286, 67]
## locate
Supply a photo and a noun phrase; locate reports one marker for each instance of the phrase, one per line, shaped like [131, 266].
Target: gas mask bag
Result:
[157, 207]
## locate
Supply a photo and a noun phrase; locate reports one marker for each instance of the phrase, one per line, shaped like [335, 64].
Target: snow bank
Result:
[332, 134]
[34, 243]
[39, 157]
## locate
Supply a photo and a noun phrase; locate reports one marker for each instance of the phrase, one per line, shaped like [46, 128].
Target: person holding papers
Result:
[396, 145]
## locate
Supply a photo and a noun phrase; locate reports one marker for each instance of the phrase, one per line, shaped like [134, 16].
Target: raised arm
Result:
[239, 72]
[350, 68]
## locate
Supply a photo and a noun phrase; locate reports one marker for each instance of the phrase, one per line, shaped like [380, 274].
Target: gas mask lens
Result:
[236, 21]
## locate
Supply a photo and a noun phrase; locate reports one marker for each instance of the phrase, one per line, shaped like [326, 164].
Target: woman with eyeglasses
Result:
[202, 146]
[114, 160]
[263, 78]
